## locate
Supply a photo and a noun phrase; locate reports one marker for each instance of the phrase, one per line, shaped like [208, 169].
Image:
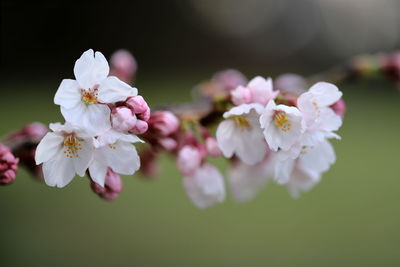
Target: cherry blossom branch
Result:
[267, 130]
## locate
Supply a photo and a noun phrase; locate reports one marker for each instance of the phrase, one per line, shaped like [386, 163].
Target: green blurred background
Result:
[350, 219]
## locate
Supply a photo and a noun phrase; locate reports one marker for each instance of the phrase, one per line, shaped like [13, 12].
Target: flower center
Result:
[315, 105]
[242, 122]
[89, 96]
[71, 146]
[281, 121]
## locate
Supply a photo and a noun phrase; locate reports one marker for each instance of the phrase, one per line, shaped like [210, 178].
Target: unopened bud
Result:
[164, 122]
[123, 65]
[167, 143]
[8, 166]
[241, 95]
[122, 119]
[212, 147]
[230, 79]
[339, 107]
[112, 186]
[140, 127]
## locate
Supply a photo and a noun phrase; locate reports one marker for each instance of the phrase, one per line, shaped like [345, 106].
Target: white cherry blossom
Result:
[84, 101]
[245, 181]
[258, 90]
[240, 134]
[205, 187]
[303, 173]
[65, 152]
[283, 126]
[114, 150]
[321, 120]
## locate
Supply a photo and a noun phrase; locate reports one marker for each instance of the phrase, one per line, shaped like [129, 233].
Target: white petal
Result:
[93, 118]
[206, 187]
[243, 109]
[85, 156]
[113, 90]
[225, 135]
[300, 182]
[245, 181]
[250, 146]
[68, 94]
[58, 172]
[48, 148]
[325, 94]
[318, 158]
[328, 120]
[283, 170]
[123, 159]
[98, 171]
[90, 69]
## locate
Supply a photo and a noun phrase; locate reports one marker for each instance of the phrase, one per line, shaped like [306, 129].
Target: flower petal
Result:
[68, 94]
[85, 156]
[122, 158]
[225, 135]
[48, 148]
[90, 69]
[95, 118]
[98, 169]
[113, 90]
[58, 172]
[205, 187]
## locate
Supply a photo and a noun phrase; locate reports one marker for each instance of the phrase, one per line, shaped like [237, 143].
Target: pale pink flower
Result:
[205, 187]
[258, 90]
[241, 134]
[282, 126]
[189, 160]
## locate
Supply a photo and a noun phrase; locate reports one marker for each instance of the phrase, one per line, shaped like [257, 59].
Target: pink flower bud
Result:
[8, 166]
[34, 131]
[290, 83]
[112, 186]
[339, 107]
[212, 147]
[164, 122]
[167, 143]
[145, 115]
[241, 95]
[140, 127]
[189, 160]
[122, 119]
[137, 104]
[123, 65]
[230, 79]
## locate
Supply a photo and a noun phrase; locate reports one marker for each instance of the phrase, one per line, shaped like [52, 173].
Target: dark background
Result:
[43, 38]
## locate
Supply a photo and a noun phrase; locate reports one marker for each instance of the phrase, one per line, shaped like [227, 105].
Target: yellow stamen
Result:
[89, 96]
[242, 122]
[72, 146]
[281, 121]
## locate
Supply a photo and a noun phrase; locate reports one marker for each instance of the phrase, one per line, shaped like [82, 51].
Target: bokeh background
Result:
[350, 219]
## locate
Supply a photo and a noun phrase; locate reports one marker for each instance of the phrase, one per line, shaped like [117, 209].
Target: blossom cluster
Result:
[103, 117]
[268, 134]
[269, 130]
